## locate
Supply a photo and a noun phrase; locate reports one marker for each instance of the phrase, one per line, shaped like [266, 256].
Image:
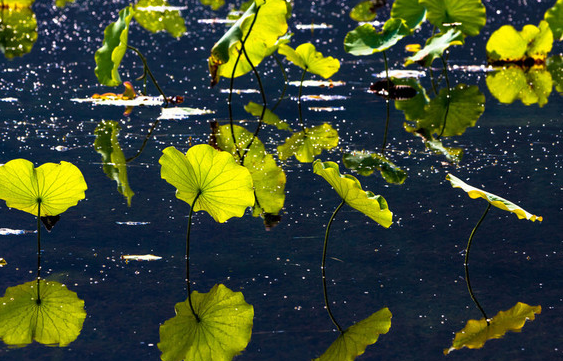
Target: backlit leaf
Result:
[492, 199]
[554, 16]
[225, 187]
[56, 186]
[476, 333]
[365, 40]
[509, 45]
[308, 143]
[435, 46]
[350, 190]
[470, 13]
[18, 27]
[223, 331]
[366, 163]
[56, 320]
[169, 20]
[410, 11]
[308, 58]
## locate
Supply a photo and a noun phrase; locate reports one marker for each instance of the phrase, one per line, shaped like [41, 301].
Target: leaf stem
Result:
[147, 137]
[299, 100]
[188, 257]
[285, 81]
[386, 103]
[323, 267]
[38, 250]
[466, 264]
[147, 70]
[448, 96]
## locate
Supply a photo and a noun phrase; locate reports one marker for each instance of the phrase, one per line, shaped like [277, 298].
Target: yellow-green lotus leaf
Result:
[509, 84]
[540, 40]
[492, 199]
[223, 331]
[350, 190]
[435, 46]
[308, 143]
[225, 187]
[56, 320]
[476, 333]
[506, 44]
[353, 342]
[56, 186]
[214, 4]
[554, 16]
[308, 58]
[269, 116]
[363, 11]
[470, 13]
[163, 19]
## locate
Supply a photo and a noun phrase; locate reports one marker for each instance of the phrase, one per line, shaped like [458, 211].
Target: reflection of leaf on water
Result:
[268, 178]
[269, 117]
[18, 29]
[154, 21]
[531, 86]
[223, 331]
[354, 340]
[509, 45]
[308, 143]
[435, 47]
[114, 164]
[476, 333]
[214, 4]
[366, 163]
[56, 320]
[413, 108]
[555, 68]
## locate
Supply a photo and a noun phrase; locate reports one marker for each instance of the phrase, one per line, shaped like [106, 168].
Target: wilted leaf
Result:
[365, 40]
[308, 58]
[308, 143]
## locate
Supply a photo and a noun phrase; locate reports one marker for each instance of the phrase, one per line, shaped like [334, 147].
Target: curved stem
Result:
[149, 134]
[147, 70]
[299, 99]
[188, 257]
[323, 267]
[466, 264]
[448, 97]
[285, 82]
[387, 103]
[38, 250]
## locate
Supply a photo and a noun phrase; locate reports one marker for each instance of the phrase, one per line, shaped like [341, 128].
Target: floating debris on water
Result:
[216, 21]
[161, 8]
[322, 97]
[182, 113]
[401, 74]
[13, 232]
[318, 83]
[131, 223]
[313, 26]
[326, 109]
[9, 100]
[140, 257]
[3, 262]
[138, 101]
[242, 91]
[60, 148]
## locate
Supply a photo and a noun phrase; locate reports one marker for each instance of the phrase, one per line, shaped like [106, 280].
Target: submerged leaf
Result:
[308, 58]
[223, 331]
[365, 40]
[224, 187]
[169, 20]
[435, 46]
[350, 190]
[354, 340]
[476, 333]
[470, 13]
[492, 199]
[18, 26]
[55, 320]
[366, 163]
[56, 186]
[308, 143]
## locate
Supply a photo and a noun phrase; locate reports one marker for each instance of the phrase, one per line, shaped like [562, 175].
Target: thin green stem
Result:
[448, 96]
[285, 82]
[147, 70]
[188, 257]
[386, 103]
[38, 250]
[148, 136]
[323, 268]
[299, 99]
[466, 264]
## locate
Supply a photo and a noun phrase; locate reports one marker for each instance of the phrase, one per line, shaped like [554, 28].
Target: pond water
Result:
[415, 267]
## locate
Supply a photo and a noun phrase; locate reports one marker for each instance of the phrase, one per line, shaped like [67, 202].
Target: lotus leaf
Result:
[470, 13]
[476, 333]
[363, 11]
[154, 21]
[435, 46]
[409, 10]
[306, 57]
[308, 143]
[108, 57]
[17, 4]
[354, 340]
[531, 87]
[18, 26]
[492, 199]
[366, 163]
[55, 320]
[509, 45]
[554, 16]
[214, 4]
[269, 117]
[270, 24]
[350, 190]
[268, 178]
[63, 3]
[555, 67]
[56, 186]
[223, 331]
[224, 187]
[365, 40]
[113, 159]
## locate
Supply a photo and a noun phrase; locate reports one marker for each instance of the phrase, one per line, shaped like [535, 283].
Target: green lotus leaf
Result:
[56, 187]
[435, 46]
[540, 40]
[270, 24]
[268, 178]
[470, 13]
[18, 26]
[509, 45]
[113, 159]
[55, 320]
[354, 340]
[453, 155]
[306, 57]
[531, 87]
[466, 104]
[214, 4]
[308, 143]
[365, 40]
[366, 163]
[412, 108]
[269, 117]
[108, 57]
[154, 21]
[350, 190]
[363, 11]
[554, 65]
[476, 333]
[554, 16]
[409, 10]
[492, 199]
[63, 3]
[223, 331]
[225, 187]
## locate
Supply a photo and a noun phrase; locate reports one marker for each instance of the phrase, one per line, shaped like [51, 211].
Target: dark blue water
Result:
[415, 267]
